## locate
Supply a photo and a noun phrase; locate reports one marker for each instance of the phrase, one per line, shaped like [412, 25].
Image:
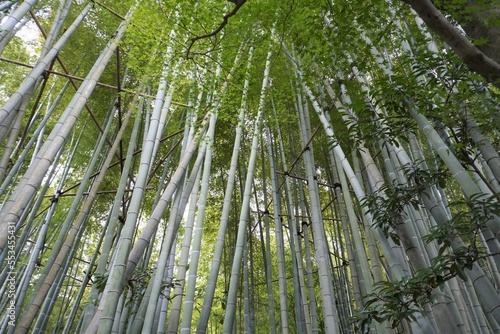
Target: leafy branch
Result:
[388, 205]
[405, 298]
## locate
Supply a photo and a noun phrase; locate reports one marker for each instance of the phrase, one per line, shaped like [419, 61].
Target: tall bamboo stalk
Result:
[219, 246]
[75, 229]
[26, 190]
[245, 206]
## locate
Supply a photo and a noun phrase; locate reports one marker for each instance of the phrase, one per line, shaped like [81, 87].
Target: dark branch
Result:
[221, 26]
[475, 60]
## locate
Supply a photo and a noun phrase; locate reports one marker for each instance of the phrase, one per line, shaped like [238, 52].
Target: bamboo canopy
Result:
[249, 167]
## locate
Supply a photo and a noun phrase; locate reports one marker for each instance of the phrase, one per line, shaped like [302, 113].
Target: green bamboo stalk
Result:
[6, 7]
[36, 249]
[266, 249]
[278, 231]
[136, 324]
[295, 247]
[229, 318]
[483, 286]
[356, 255]
[196, 246]
[114, 218]
[475, 308]
[308, 256]
[29, 83]
[68, 327]
[490, 155]
[246, 290]
[175, 309]
[57, 25]
[468, 185]
[157, 279]
[25, 96]
[219, 246]
[341, 246]
[13, 19]
[395, 265]
[137, 195]
[26, 190]
[27, 319]
[124, 273]
[42, 230]
[197, 231]
[328, 304]
[182, 265]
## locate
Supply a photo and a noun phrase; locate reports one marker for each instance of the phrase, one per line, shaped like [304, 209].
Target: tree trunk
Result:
[474, 58]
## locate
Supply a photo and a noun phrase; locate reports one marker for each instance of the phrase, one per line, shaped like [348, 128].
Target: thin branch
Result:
[224, 22]
[74, 77]
[108, 9]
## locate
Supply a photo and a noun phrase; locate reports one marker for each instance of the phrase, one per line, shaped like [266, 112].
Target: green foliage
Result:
[471, 218]
[327, 38]
[394, 302]
[387, 207]
[462, 10]
[420, 179]
[403, 299]
[100, 279]
[138, 284]
[389, 203]
[13, 75]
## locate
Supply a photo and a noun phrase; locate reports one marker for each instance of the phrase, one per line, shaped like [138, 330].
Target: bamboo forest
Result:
[250, 166]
